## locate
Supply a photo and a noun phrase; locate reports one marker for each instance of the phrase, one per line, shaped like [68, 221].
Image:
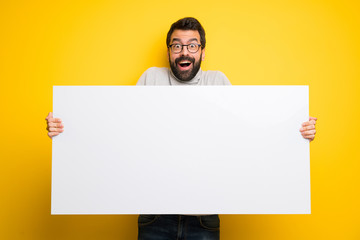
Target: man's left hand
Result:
[308, 129]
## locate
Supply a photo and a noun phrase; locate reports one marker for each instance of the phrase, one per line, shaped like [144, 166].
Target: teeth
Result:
[184, 62]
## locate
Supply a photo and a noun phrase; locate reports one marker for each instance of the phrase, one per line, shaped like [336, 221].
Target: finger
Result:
[305, 124]
[57, 125]
[311, 122]
[306, 128]
[54, 125]
[50, 115]
[309, 132]
[57, 120]
[310, 137]
[51, 134]
[312, 118]
[56, 130]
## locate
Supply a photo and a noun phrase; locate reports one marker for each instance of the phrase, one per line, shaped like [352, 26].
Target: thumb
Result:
[50, 115]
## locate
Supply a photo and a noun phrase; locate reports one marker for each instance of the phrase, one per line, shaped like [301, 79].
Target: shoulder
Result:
[157, 70]
[215, 78]
[154, 76]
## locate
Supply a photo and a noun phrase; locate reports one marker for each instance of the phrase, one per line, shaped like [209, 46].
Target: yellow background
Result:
[46, 43]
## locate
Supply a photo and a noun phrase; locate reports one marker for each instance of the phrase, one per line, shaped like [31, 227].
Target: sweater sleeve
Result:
[142, 79]
[154, 76]
[224, 79]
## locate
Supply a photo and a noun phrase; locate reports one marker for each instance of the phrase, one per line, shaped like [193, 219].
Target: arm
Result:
[307, 129]
[142, 80]
[54, 125]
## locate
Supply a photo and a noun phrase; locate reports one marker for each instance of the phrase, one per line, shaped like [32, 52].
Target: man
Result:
[186, 50]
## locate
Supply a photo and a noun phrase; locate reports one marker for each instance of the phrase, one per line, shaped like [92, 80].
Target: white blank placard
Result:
[181, 150]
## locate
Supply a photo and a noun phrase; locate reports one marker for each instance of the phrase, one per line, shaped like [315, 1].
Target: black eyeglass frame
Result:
[187, 46]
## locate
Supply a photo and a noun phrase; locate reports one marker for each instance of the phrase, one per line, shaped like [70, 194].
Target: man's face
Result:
[185, 64]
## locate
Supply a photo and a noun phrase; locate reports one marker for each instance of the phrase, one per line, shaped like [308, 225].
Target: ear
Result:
[168, 53]
[203, 54]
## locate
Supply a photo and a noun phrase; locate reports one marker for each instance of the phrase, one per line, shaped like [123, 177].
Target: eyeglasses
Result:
[177, 48]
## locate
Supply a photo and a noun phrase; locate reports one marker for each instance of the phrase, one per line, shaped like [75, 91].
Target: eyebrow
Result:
[179, 40]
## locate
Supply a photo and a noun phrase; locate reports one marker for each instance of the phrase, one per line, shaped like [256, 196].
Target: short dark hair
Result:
[188, 23]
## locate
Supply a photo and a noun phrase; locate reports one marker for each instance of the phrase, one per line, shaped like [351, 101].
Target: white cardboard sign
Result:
[181, 150]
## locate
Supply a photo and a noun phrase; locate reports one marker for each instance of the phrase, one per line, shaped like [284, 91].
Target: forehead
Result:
[185, 35]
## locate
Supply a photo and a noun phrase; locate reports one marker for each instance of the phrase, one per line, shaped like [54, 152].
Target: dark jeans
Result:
[179, 227]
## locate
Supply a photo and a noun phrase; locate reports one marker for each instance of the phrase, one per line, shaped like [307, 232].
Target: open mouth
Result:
[184, 65]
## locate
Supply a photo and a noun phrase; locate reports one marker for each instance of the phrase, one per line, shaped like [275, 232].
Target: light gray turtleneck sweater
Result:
[164, 76]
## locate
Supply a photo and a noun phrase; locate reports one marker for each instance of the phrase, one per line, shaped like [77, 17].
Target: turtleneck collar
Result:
[175, 81]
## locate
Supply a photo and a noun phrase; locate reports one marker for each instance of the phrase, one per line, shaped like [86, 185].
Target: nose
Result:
[184, 51]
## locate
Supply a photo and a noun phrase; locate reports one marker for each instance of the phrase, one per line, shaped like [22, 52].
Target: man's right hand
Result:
[54, 125]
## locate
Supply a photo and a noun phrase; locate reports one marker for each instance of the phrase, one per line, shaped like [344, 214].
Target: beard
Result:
[186, 75]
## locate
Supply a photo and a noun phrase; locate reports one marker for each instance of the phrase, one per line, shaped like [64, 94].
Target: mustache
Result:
[182, 58]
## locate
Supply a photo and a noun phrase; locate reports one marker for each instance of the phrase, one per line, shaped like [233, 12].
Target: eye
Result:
[192, 46]
[176, 46]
